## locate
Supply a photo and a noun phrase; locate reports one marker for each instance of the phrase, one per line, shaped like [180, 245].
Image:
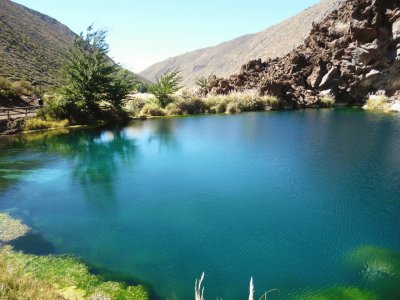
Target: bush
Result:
[135, 104]
[23, 88]
[151, 110]
[192, 106]
[37, 124]
[166, 86]
[6, 88]
[173, 109]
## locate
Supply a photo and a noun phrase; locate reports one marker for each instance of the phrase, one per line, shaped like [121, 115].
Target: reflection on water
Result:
[281, 196]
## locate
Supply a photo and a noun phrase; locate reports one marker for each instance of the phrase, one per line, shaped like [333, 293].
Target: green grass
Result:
[38, 124]
[64, 276]
[146, 106]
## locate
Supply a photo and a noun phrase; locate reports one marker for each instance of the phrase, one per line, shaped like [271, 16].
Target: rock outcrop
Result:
[354, 51]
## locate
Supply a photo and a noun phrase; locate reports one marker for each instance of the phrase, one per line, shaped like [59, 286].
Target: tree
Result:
[88, 72]
[121, 85]
[166, 85]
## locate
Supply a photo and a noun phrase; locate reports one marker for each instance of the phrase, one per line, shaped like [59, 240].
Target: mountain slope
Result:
[32, 45]
[228, 57]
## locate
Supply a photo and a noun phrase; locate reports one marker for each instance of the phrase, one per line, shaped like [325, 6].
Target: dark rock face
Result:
[354, 51]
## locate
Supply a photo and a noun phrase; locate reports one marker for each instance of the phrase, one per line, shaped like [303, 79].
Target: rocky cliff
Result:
[354, 51]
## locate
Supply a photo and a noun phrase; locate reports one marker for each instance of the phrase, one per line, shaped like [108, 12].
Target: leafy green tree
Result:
[165, 86]
[88, 72]
[122, 84]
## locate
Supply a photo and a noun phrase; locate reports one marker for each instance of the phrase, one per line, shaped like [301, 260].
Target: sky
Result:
[141, 33]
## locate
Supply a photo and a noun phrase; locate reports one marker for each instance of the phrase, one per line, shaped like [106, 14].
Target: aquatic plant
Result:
[251, 289]
[378, 267]
[198, 289]
[338, 293]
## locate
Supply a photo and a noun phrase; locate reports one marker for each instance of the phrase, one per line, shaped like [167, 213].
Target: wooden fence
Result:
[18, 112]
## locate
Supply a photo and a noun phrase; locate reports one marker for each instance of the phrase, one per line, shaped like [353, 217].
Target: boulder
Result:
[330, 78]
[396, 30]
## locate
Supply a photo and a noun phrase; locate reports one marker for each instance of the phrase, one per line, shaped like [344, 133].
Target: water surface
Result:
[280, 196]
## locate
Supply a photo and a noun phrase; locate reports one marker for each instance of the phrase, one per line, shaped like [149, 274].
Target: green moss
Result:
[339, 293]
[378, 267]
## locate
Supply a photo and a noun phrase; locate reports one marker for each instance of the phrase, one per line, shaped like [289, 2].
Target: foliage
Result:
[166, 85]
[88, 73]
[136, 102]
[59, 276]
[37, 124]
[151, 110]
[173, 109]
[5, 88]
[121, 85]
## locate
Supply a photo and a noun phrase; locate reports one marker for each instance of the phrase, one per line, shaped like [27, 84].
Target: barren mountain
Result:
[228, 57]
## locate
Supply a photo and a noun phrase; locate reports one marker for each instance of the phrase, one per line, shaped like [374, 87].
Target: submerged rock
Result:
[11, 229]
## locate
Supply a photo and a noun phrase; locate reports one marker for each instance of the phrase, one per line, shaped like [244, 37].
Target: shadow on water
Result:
[33, 243]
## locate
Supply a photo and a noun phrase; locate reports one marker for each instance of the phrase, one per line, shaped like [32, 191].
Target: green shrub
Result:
[151, 110]
[192, 106]
[135, 104]
[23, 88]
[6, 88]
[166, 86]
[37, 124]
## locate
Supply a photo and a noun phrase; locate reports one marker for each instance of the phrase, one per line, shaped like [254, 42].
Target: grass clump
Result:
[11, 229]
[173, 109]
[151, 110]
[378, 101]
[37, 124]
[57, 277]
[327, 101]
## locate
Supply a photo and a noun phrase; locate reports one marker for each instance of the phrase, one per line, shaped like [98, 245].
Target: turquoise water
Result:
[280, 196]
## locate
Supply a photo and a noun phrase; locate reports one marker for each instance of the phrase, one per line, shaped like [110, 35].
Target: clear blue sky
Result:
[143, 32]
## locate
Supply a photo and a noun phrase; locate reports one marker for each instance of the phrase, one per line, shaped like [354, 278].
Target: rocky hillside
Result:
[354, 51]
[228, 57]
[32, 45]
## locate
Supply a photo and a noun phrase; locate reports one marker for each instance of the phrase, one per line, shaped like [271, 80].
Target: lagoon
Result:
[280, 196]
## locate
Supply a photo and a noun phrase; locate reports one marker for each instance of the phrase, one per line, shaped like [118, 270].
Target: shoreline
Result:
[143, 118]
